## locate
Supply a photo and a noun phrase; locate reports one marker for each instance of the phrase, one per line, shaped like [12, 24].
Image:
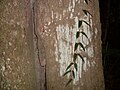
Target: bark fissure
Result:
[39, 50]
[36, 36]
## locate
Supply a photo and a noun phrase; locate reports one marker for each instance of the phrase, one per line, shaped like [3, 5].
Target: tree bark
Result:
[56, 25]
[17, 66]
[40, 35]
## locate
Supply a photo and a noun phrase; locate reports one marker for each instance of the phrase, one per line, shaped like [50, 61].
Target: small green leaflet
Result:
[75, 65]
[79, 23]
[86, 23]
[73, 73]
[81, 57]
[76, 45]
[69, 66]
[84, 34]
[81, 45]
[66, 72]
[75, 57]
[69, 82]
[86, 1]
[77, 34]
[87, 12]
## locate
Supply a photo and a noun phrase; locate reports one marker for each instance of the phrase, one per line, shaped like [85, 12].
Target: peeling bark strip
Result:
[39, 50]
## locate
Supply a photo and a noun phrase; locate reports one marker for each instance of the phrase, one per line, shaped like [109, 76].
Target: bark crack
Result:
[36, 37]
[39, 50]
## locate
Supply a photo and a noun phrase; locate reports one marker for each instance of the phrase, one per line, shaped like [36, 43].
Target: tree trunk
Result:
[41, 35]
[56, 23]
[17, 66]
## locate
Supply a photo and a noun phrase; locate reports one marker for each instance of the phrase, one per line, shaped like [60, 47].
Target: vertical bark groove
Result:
[40, 56]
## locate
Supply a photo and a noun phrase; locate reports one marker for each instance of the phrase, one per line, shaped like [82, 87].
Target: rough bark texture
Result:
[17, 68]
[50, 27]
[56, 25]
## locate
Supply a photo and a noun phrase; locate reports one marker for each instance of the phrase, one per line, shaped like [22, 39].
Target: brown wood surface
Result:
[37, 39]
